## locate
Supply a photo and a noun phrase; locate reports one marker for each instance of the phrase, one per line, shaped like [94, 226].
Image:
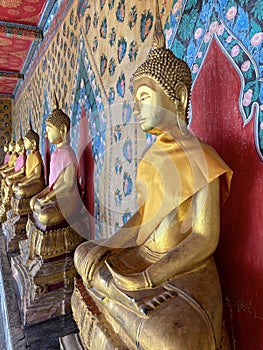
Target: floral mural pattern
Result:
[237, 27]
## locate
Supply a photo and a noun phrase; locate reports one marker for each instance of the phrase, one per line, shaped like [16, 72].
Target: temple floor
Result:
[15, 336]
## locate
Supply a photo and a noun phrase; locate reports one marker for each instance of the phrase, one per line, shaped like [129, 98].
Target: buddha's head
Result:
[31, 140]
[12, 146]
[6, 145]
[57, 125]
[19, 147]
[162, 87]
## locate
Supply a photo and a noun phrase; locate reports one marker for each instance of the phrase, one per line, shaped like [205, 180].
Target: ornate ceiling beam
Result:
[20, 31]
[11, 75]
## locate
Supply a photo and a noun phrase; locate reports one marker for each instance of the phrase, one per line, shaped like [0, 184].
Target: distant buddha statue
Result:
[19, 166]
[10, 175]
[6, 159]
[59, 200]
[29, 183]
[33, 180]
[7, 155]
[154, 284]
[44, 270]
[9, 166]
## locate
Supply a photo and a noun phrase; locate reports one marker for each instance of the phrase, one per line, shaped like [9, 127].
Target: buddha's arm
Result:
[63, 185]
[7, 171]
[15, 175]
[124, 238]
[36, 175]
[41, 194]
[195, 248]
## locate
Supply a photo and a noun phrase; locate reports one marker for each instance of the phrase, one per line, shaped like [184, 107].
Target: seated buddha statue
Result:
[19, 166]
[9, 166]
[6, 159]
[33, 180]
[7, 155]
[44, 270]
[29, 183]
[14, 172]
[154, 284]
[59, 200]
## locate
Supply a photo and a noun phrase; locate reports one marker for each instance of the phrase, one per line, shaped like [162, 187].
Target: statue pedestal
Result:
[3, 209]
[95, 331]
[44, 272]
[14, 229]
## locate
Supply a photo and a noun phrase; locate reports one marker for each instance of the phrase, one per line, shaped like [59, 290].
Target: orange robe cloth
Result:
[171, 171]
[33, 160]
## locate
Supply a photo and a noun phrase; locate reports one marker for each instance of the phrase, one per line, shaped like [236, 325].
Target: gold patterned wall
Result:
[5, 125]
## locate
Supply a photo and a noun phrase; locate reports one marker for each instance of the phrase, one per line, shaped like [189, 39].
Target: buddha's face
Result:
[12, 146]
[153, 108]
[53, 134]
[28, 145]
[19, 148]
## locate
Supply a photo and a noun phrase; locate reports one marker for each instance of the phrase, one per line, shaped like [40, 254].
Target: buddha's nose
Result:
[136, 108]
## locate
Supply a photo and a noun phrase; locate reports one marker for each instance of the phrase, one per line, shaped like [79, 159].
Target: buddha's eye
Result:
[143, 98]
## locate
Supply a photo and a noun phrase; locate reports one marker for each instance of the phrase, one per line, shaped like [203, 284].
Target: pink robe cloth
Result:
[7, 157]
[20, 162]
[61, 158]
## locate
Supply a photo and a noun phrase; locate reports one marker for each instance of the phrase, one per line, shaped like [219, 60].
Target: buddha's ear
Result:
[34, 144]
[181, 96]
[63, 131]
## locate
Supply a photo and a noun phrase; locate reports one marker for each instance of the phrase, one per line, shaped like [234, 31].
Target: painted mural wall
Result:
[88, 55]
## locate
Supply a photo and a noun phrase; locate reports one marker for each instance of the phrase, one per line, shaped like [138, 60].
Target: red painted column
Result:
[217, 121]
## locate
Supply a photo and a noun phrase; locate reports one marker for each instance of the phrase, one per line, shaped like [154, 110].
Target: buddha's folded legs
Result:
[29, 189]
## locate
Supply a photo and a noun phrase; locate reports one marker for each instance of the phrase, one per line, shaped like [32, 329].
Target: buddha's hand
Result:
[130, 282]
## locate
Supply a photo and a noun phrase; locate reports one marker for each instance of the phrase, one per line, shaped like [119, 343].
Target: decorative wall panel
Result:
[5, 125]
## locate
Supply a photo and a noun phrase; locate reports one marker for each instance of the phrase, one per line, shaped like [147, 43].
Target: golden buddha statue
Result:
[11, 175]
[33, 180]
[9, 166]
[154, 284]
[7, 155]
[44, 270]
[52, 206]
[29, 183]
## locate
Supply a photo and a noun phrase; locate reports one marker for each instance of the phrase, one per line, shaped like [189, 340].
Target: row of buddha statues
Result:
[35, 219]
[154, 283]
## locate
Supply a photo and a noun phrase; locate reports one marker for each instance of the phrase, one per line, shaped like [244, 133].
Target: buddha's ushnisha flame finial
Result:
[55, 104]
[158, 35]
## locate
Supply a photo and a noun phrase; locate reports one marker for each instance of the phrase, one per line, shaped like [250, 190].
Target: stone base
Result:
[44, 288]
[44, 335]
[14, 229]
[44, 272]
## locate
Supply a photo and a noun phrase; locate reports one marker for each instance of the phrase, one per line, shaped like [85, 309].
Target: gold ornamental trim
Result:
[51, 243]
